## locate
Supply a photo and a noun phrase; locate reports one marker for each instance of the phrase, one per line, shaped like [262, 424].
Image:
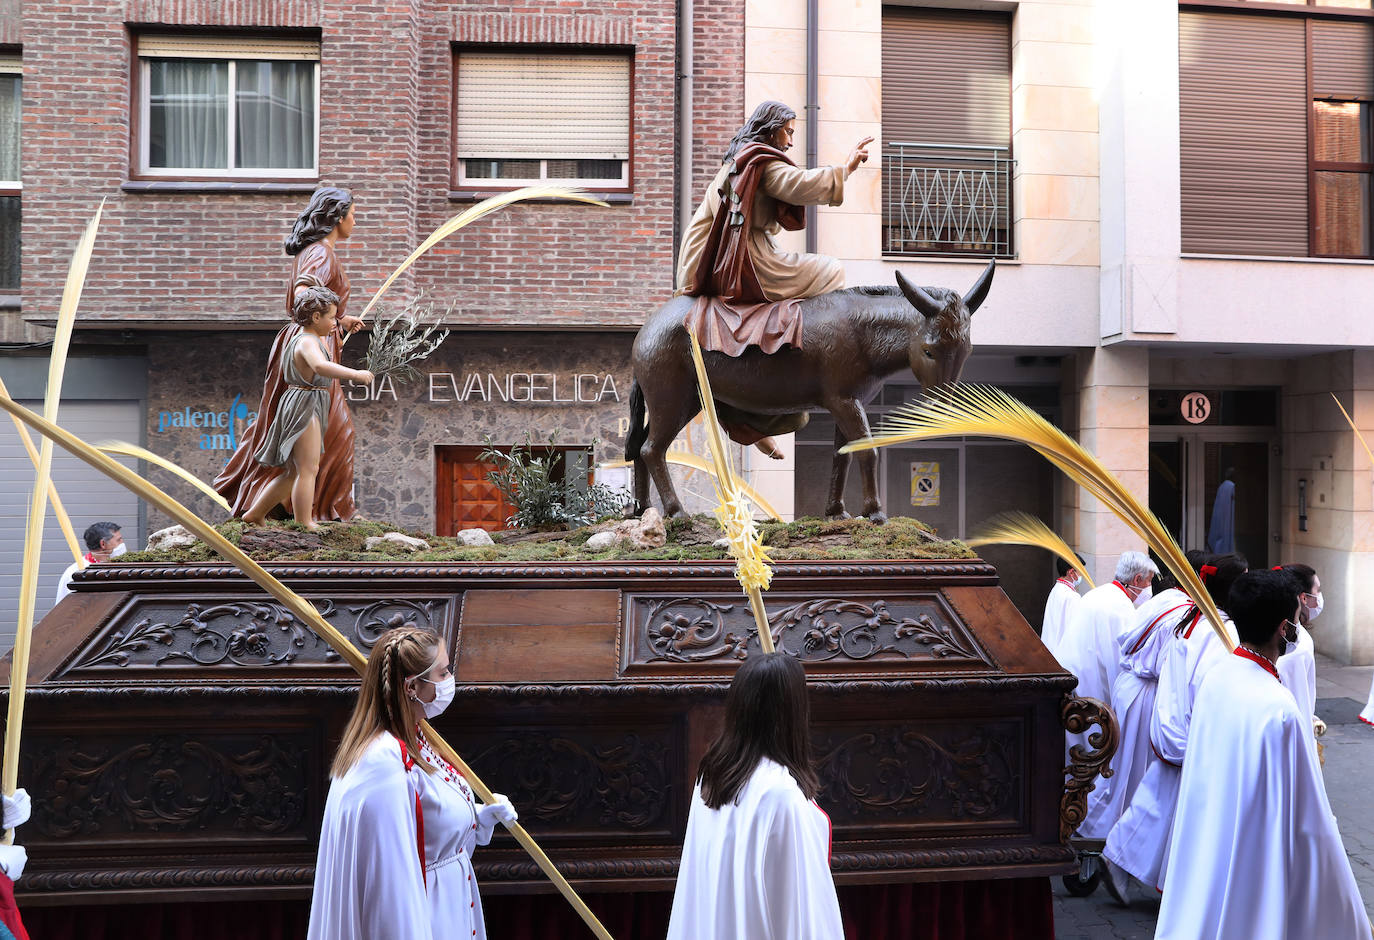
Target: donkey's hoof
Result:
[835, 516]
[877, 518]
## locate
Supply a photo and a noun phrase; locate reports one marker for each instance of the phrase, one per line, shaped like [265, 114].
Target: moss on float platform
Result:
[689, 539]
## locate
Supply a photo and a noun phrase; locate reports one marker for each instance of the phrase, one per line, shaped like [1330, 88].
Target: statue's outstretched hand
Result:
[858, 155]
[350, 324]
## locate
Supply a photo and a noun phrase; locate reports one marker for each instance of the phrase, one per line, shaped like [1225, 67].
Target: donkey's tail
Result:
[639, 428]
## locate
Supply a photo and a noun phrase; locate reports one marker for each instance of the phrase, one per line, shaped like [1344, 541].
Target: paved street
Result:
[1341, 693]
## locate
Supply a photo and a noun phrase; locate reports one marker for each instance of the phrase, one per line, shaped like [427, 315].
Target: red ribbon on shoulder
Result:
[419, 814]
[1269, 667]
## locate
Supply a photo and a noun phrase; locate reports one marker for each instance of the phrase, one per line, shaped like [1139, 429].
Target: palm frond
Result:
[142, 453]
[64, 521]
[736, 518]
[984, 411]
[1358, 435]
[696, 463]
[297, 605]
[1021, 528]
[38, 502]
[472, 214]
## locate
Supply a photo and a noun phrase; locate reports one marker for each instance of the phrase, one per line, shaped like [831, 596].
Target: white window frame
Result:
[13, 65]
[512, 182]
[231, 119]
[464, 181]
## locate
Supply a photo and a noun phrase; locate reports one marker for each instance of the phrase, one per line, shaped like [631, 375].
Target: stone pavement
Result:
[1341, 693]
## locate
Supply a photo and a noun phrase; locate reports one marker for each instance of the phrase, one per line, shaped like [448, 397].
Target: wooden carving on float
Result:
[178, 768]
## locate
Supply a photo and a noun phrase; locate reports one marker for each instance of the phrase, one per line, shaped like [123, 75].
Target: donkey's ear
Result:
[925, 304]
[979, 291]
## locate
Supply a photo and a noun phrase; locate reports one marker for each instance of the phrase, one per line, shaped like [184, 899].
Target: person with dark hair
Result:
[1298, 668]
[1139, 842]
[1062, 602]
[400, 823]
[756, 861]
[104, 540]
[1256, 852]
[731, 254]
[327, 220]
[295, 439]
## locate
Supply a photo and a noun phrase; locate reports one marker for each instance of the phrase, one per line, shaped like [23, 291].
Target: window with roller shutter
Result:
[526, 117]
[1275, 131]
[947, 166]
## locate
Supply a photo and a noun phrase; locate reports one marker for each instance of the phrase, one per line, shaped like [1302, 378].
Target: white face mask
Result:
[1145, 594]
[443, 696]
[1315, 610]
[118, 550]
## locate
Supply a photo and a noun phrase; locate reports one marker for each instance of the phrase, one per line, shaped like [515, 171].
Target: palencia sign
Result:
[529, 388]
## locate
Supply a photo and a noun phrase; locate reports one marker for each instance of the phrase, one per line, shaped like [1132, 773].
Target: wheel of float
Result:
[1081, 887]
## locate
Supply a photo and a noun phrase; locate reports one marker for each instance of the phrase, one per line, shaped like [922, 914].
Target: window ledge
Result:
[618, 198]
[1287, 259]
[219, 186]
[953, 259]
[9, 301]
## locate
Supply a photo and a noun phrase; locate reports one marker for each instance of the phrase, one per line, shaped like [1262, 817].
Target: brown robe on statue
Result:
[747, 287]
[243, 477]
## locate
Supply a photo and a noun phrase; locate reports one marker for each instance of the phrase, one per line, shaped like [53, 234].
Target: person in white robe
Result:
[1141, 647]
[1088, 648]
[1060, 605]
[756, 860]
[1298, 668]
[1138, 842]
[377, 877]
[1257, 854]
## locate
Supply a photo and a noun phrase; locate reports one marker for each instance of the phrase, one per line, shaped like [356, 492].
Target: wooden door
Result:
[464, 497]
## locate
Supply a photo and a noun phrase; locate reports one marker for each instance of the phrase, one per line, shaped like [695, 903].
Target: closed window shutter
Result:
[946, 77]
[226, 47]
[536, 106]
[1342, 59]
[1243, 134]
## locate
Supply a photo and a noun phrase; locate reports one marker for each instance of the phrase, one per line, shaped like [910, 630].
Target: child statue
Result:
[295, 438]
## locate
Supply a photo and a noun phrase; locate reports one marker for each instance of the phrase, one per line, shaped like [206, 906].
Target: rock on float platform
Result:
[180, 726]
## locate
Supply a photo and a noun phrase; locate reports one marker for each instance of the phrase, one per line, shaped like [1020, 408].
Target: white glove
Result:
[12, 860]
[1318, 726]
[16, 809]
[500, 811]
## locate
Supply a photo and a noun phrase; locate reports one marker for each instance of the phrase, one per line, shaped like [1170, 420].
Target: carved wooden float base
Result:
[180, 723]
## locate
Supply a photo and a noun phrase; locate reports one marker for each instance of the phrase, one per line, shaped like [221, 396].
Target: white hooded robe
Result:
[1142, 649]
[1059, 607]
[1256, 853]
[758, 867]
[1088, 649]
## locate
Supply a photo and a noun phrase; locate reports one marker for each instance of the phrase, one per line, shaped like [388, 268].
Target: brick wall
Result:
[386, 116]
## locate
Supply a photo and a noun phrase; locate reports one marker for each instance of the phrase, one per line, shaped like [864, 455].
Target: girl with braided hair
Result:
[400, 824]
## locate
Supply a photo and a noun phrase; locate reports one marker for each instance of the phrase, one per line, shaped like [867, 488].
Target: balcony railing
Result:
[940, 199]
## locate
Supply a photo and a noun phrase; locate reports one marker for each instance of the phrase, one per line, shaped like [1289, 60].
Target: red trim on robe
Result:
[1151, 628]
[1197, 617]
[1366, 720]
[1124, 591]
[419, 815]
[1269, 667]
[1162, 757]
[829, 831]
[1067, 584]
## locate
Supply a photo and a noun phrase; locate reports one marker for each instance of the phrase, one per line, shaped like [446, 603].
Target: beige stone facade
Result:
[1099, 283]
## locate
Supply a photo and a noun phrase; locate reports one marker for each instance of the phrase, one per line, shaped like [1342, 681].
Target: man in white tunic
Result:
[1256, 854]
[1139, 842]
[1088, 649]
[1060, 605]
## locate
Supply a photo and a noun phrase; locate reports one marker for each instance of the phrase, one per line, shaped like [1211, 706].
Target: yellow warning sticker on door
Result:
[925, 483]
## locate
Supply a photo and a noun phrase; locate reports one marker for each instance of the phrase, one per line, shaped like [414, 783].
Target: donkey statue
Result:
[852, 340]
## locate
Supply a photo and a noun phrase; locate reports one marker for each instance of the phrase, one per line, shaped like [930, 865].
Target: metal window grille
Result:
[941, 199]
